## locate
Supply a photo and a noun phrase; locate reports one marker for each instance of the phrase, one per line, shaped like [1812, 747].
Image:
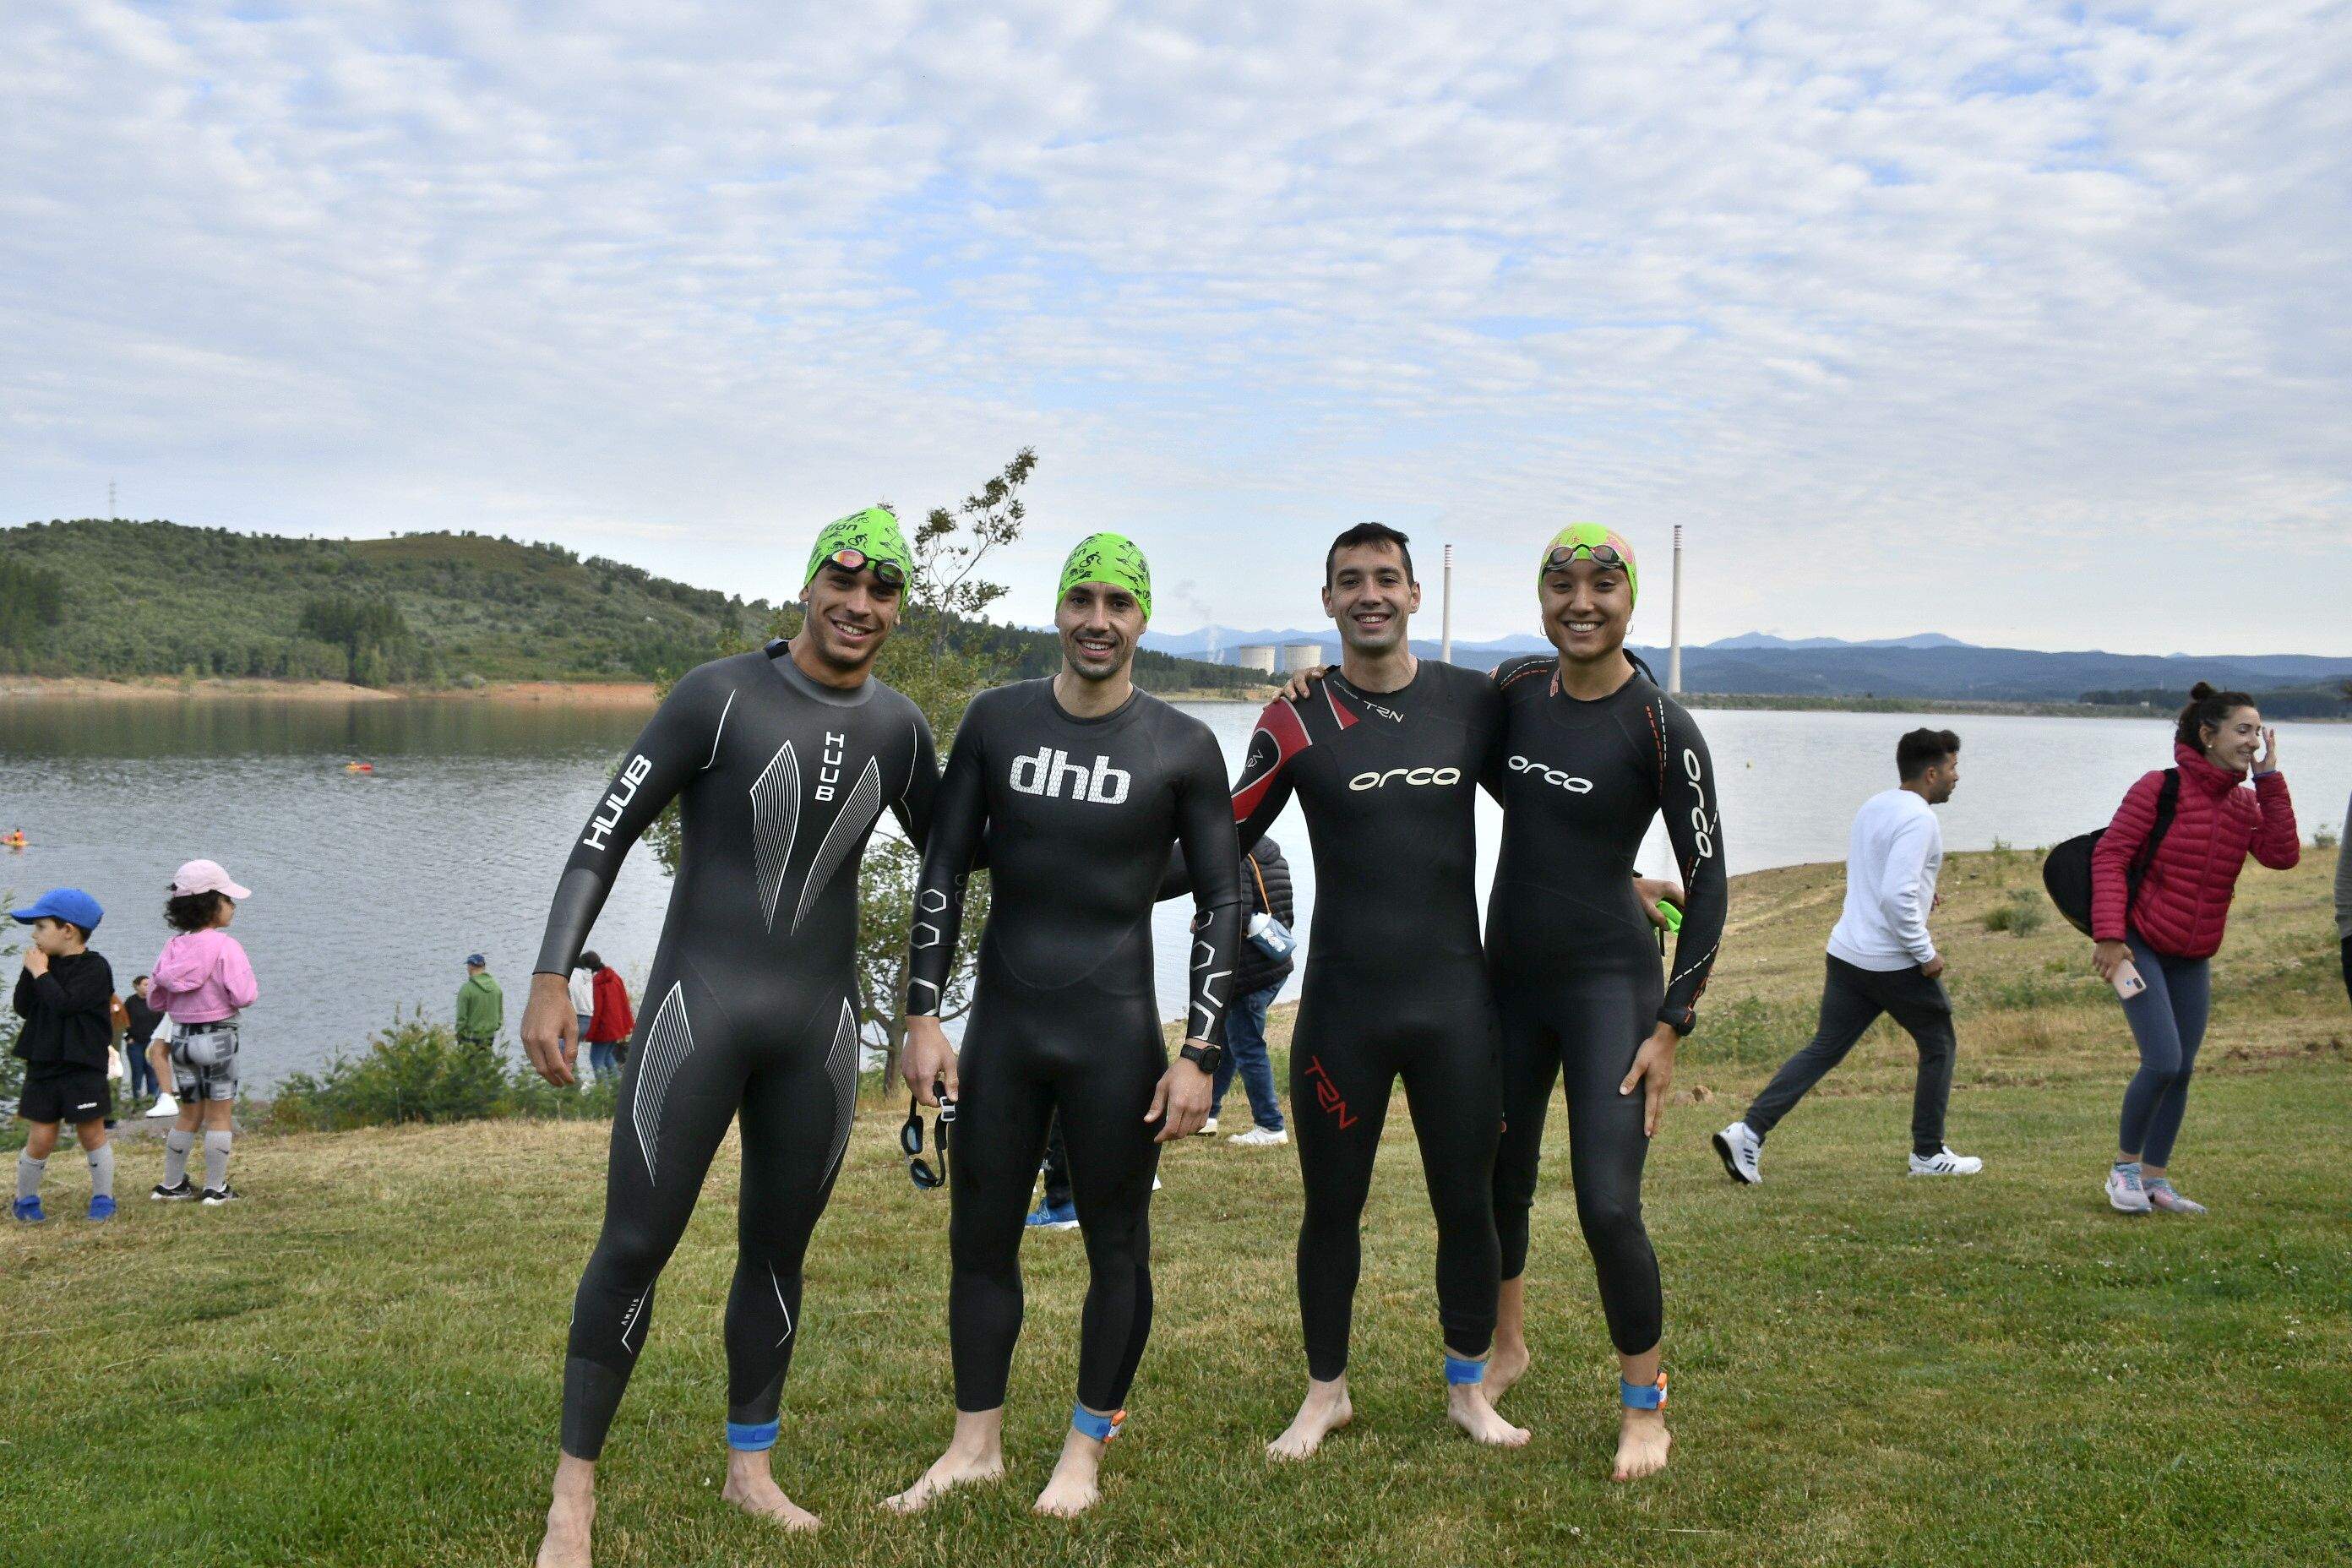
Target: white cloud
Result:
[2017, 322]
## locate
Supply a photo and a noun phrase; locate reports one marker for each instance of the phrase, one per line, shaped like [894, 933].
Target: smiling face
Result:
[2236, 742]
[1587, 606]
[1100, 624]
[850, 616]
[1370, 596]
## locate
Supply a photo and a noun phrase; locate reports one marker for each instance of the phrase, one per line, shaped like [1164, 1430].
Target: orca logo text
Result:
[1414, 777]
[1569, 782]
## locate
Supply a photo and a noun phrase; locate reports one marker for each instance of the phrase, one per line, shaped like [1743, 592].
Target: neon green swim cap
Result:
[1598, 541]
[1109, 558]
[873, 534]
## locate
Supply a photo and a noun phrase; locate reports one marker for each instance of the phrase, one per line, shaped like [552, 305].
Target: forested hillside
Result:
[102, 597]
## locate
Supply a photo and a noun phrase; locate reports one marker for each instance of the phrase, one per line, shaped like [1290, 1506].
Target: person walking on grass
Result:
[481, 1005]
[202, 981]
[2344, 898]
[1258, 978]
[2161, 914]
[1881, 959]
[580, 983]
[610, 1020]
[64, 995]
[143, 1080]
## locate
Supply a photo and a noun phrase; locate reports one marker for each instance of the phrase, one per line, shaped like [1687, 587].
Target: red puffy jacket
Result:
[2184, 900]
[612, 1020]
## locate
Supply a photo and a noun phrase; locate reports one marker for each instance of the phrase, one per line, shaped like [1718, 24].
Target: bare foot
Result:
[1323, 1412]
[1468, 1407]
[750, 1487]
[1641, 1444]
[1073, 1490]
[571, 1511]
[959, 1467]
[1505, 1367]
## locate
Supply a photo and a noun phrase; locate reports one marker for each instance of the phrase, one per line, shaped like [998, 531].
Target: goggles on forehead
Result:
[849, 558]
[1605, 554]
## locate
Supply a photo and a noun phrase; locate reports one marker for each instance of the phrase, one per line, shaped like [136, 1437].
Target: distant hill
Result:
[103, 597]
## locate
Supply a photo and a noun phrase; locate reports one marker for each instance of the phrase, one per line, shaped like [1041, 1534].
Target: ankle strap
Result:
[1636, 1398]
[752, 1437]
[1460, 1371]
[1101, 1428]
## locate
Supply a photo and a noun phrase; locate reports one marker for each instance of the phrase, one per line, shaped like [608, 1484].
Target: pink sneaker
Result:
[2161, 1197]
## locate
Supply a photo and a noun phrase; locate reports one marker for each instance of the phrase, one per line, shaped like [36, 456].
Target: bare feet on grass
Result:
[1075, 1487]
[975, 1454]
[1505, 1367]
[1641, 1444]
[753, 1489]
[1468, 1406]
[570, 1513]
[1323, 1412]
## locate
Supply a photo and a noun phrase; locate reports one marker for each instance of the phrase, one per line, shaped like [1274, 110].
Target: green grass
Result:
[361, 1364]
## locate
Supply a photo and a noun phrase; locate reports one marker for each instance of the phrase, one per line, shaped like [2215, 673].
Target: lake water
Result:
[370, 889]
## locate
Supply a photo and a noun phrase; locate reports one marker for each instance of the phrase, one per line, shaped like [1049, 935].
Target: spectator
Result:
[481, 1005]
[64, 995]
[1258, 978]
[143, 1017]
[203, 981]
[2344, 897]
[581, 984]
[611, 1022]
[2165, 918]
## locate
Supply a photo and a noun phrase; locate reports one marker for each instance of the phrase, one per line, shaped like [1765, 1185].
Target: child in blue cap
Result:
[65, 996]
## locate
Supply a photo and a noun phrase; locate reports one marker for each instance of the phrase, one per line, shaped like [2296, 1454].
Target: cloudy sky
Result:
[2028, 325]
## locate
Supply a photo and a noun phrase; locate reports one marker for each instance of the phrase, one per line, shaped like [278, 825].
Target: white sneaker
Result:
[1261, 1137]
[1742, 1152]
[165, 1105]
[2124, 1192]
[1207, 1129]
[1944, 1163]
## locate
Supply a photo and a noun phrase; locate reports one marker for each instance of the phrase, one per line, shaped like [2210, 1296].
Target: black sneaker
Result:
[221, 1194]
[178, 1195]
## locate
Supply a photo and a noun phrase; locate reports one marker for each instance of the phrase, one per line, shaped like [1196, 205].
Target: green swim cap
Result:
[1590, 539]
[1109, 558]
[873, 534]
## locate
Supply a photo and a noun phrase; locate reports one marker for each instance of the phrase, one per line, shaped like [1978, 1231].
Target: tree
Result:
[940, 657]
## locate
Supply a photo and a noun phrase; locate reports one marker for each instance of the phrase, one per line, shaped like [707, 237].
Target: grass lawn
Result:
[361, 1364]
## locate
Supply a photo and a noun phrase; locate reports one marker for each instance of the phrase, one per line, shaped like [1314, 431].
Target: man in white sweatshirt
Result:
[1881, 959]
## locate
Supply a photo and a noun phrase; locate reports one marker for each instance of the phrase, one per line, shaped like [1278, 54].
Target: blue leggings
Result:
[2167, 1019]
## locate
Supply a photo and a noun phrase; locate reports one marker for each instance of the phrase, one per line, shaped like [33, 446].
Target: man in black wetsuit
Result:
[1077, 787]
[782, 761]
[1593, 751]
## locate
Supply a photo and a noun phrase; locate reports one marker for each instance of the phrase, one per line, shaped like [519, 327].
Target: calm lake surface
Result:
[370, 889]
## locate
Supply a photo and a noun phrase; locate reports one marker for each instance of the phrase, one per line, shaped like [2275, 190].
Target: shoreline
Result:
[168, 688]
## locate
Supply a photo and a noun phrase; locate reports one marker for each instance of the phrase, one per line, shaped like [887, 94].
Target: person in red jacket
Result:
[610, 1024]
[2171, 924]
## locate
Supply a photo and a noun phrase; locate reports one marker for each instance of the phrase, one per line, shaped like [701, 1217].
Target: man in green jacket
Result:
[481, 1005]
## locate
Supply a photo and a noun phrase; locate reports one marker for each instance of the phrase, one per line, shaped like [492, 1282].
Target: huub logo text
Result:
[828, 774]
[1048, 769]
[1414, 777]
[624, 790]
[1569, 782]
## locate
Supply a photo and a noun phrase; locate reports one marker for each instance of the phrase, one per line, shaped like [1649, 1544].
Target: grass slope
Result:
[359, 1365]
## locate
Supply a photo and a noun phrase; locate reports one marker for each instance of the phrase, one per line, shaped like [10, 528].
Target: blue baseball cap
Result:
[476, 960]
[62, 904]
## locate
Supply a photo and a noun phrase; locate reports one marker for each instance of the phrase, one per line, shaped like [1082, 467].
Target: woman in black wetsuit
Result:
[1591, 750]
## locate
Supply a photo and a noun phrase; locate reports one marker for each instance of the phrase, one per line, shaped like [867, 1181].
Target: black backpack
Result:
[2066, 871]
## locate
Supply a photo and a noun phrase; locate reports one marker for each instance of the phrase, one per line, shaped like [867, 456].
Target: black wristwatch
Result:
[1683, 1019]
[1205, 1058]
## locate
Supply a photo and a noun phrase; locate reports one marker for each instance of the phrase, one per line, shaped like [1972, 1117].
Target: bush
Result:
[418, 1071]
[2022, 916]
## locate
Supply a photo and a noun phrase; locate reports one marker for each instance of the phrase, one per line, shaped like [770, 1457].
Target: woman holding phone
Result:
[2168, 924]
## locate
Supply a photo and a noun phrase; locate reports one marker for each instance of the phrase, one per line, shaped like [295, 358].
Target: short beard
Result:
[1351, 636]
[1070, 662]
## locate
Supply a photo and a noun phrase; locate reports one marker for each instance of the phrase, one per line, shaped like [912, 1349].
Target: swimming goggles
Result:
[911, 1141]
[1605, 554]
[849, 558]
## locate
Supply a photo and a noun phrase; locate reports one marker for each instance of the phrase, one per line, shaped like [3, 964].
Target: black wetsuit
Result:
[1576, 968]
[1395, 986]
[1076, 818]
[779, 782]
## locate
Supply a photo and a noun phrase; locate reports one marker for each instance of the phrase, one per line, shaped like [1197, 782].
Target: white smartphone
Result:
[2128, 984]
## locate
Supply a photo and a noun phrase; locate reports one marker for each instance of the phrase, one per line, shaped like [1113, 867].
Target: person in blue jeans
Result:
[1257, 980]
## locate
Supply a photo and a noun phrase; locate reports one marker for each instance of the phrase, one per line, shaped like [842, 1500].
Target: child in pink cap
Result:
[202, 981]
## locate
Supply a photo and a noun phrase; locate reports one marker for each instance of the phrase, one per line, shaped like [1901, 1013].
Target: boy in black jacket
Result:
[65, 996]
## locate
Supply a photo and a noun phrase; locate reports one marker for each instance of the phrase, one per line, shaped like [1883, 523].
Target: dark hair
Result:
[589, 961]
[2206, 707]
[1367, 534]
[137, 978]
[1920, 750]
[193, 911]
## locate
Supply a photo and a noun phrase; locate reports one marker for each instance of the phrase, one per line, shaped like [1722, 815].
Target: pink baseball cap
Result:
[205, 877]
